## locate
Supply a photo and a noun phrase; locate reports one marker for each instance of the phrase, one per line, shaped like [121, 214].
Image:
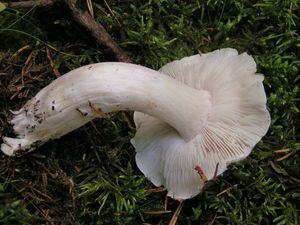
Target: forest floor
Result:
[89, 176]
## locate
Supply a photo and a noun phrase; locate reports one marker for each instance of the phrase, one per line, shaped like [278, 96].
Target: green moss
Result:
[90, 176]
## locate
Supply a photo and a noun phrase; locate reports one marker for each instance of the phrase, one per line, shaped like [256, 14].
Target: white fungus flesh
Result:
[94, 90]
[205, 110]
[238, 119]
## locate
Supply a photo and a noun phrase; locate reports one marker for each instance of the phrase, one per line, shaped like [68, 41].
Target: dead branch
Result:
[83, 18]
[30, 4]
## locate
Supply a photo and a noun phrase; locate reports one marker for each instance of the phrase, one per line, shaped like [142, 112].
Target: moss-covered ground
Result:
[89, 176]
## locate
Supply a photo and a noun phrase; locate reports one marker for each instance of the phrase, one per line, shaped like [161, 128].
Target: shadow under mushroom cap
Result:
[238, 119]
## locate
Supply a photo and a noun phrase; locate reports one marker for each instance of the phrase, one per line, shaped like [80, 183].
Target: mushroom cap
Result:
[237, 121]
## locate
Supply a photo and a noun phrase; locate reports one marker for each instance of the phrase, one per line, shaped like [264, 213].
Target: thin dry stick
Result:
[55, 71]
[24, 68]
[112, 13]
[160, 212]
[284, 157]
[287, 151]
[283, 150]
[176, 213]
[30, 4]
[213, 220]
[19, 51]
[226, 190]
[83, 18]
[166, 203]
[90, 7]
[157, 190]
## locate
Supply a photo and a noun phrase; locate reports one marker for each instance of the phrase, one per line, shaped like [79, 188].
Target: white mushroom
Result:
[206, 110]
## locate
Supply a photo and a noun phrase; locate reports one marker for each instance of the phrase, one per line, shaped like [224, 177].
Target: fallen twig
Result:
[156, 190]
[176, 214]
[161, 212]
[287, 151]
[55, 71]
[226, 190]
[213, 220]
[30, 4]
[90, 8]
[83, 18]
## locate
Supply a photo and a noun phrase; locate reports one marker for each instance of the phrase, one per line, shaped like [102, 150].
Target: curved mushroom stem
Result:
[93, 90]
